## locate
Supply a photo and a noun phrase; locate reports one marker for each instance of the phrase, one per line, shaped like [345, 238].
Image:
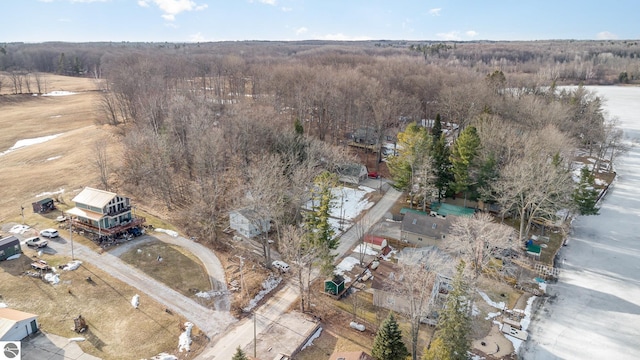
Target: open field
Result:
[63, 163]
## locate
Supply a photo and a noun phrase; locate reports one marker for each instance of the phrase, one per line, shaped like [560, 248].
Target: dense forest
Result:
[209, 127]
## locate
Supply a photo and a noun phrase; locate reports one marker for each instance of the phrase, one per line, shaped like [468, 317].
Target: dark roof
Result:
[432, 226]
[8, 240]
[43, 201]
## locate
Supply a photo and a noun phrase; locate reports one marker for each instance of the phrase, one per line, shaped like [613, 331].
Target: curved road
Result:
[211, 322]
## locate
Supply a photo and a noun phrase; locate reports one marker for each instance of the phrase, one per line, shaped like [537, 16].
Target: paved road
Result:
[241, 334]
[211, 322]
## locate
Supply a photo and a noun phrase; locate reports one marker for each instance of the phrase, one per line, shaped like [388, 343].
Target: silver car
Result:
[36, 242]
[49, 233]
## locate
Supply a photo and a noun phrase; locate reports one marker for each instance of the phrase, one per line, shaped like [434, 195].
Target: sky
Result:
[236, 20]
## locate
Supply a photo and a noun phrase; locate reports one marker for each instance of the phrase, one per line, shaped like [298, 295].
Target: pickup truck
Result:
[36, 242]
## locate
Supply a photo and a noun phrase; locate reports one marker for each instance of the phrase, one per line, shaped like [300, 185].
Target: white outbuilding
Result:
[16, 325]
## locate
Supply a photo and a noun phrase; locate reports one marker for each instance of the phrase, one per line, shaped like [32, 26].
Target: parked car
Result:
[373, 175]
[49, 233]
[135, 231]
[36, 242]
[280, 265]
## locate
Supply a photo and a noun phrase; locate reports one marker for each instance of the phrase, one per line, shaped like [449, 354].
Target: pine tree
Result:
[239, 355]
[441, 166]
[298, 128]
[463, 157]
[317, 220]
[388, 343]
[585, 196]
[454, 322]
[436, 130]
[436, 351]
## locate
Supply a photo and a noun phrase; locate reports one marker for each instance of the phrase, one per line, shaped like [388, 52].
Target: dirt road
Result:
[211, 322]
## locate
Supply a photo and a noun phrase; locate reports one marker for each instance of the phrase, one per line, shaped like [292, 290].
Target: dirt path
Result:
[211, 322]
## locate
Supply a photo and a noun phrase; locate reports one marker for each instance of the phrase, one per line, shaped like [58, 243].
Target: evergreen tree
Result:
[436, 351]
[413, 158]
[436, 130]
[463, 157]
[239, 355]
[298, 128]
[317, 220]
[388, 343]
[585, 196]
[454, 322]
[441, 166]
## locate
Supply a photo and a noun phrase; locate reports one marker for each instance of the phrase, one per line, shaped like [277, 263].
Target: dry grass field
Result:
[116, 329]
[64, 162]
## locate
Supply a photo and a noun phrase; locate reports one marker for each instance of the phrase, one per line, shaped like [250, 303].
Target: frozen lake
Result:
[594, 309]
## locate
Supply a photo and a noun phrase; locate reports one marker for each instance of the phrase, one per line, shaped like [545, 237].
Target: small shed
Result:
[9, 246]
[375, 242]
[16, 325]
[43, 206]
[334, 286]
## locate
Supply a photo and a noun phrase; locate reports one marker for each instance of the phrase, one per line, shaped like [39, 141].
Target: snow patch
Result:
[54, 279]
[184, 341]
[19, 229]
[501, 305]
[492, 315]
[27, 142]
[61, 191]
[346, 265]
[135, 301]
[53, 158]
[3, 305]
[73, 265]
[269, 284]
[209, 294]
[14, 257]
[313, 337]
[164, 356]
[59, 93]
[168, 232]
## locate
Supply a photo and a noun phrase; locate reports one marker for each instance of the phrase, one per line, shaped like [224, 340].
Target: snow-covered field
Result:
[28, 142]
[347, 204]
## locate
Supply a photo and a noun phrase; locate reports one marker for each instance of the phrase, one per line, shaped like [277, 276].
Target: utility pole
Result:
[22, 213]
[71, 236]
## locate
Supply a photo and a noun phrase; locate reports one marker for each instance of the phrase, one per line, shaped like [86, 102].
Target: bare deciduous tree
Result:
[478, 239]
[418, 271]
[300, 254]
[101, 162]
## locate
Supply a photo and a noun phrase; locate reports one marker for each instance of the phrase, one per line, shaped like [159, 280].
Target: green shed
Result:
[9, 246]
[334, 286]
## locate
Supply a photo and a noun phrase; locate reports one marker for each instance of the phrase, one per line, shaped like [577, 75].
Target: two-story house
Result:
[103, 212]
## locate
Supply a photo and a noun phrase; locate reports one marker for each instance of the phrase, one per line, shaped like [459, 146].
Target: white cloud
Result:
[171, 8]
[451, 35]
[342, 37]
[286, 9]
[88, 1]
[197, 37]
[471, 33]
[301, 30]
[268, 2]
[606, 35]
[170, 24]
[435, 11]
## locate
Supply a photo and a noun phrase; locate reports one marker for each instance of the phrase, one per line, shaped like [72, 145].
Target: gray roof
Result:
[432, 226]
[8, 240]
